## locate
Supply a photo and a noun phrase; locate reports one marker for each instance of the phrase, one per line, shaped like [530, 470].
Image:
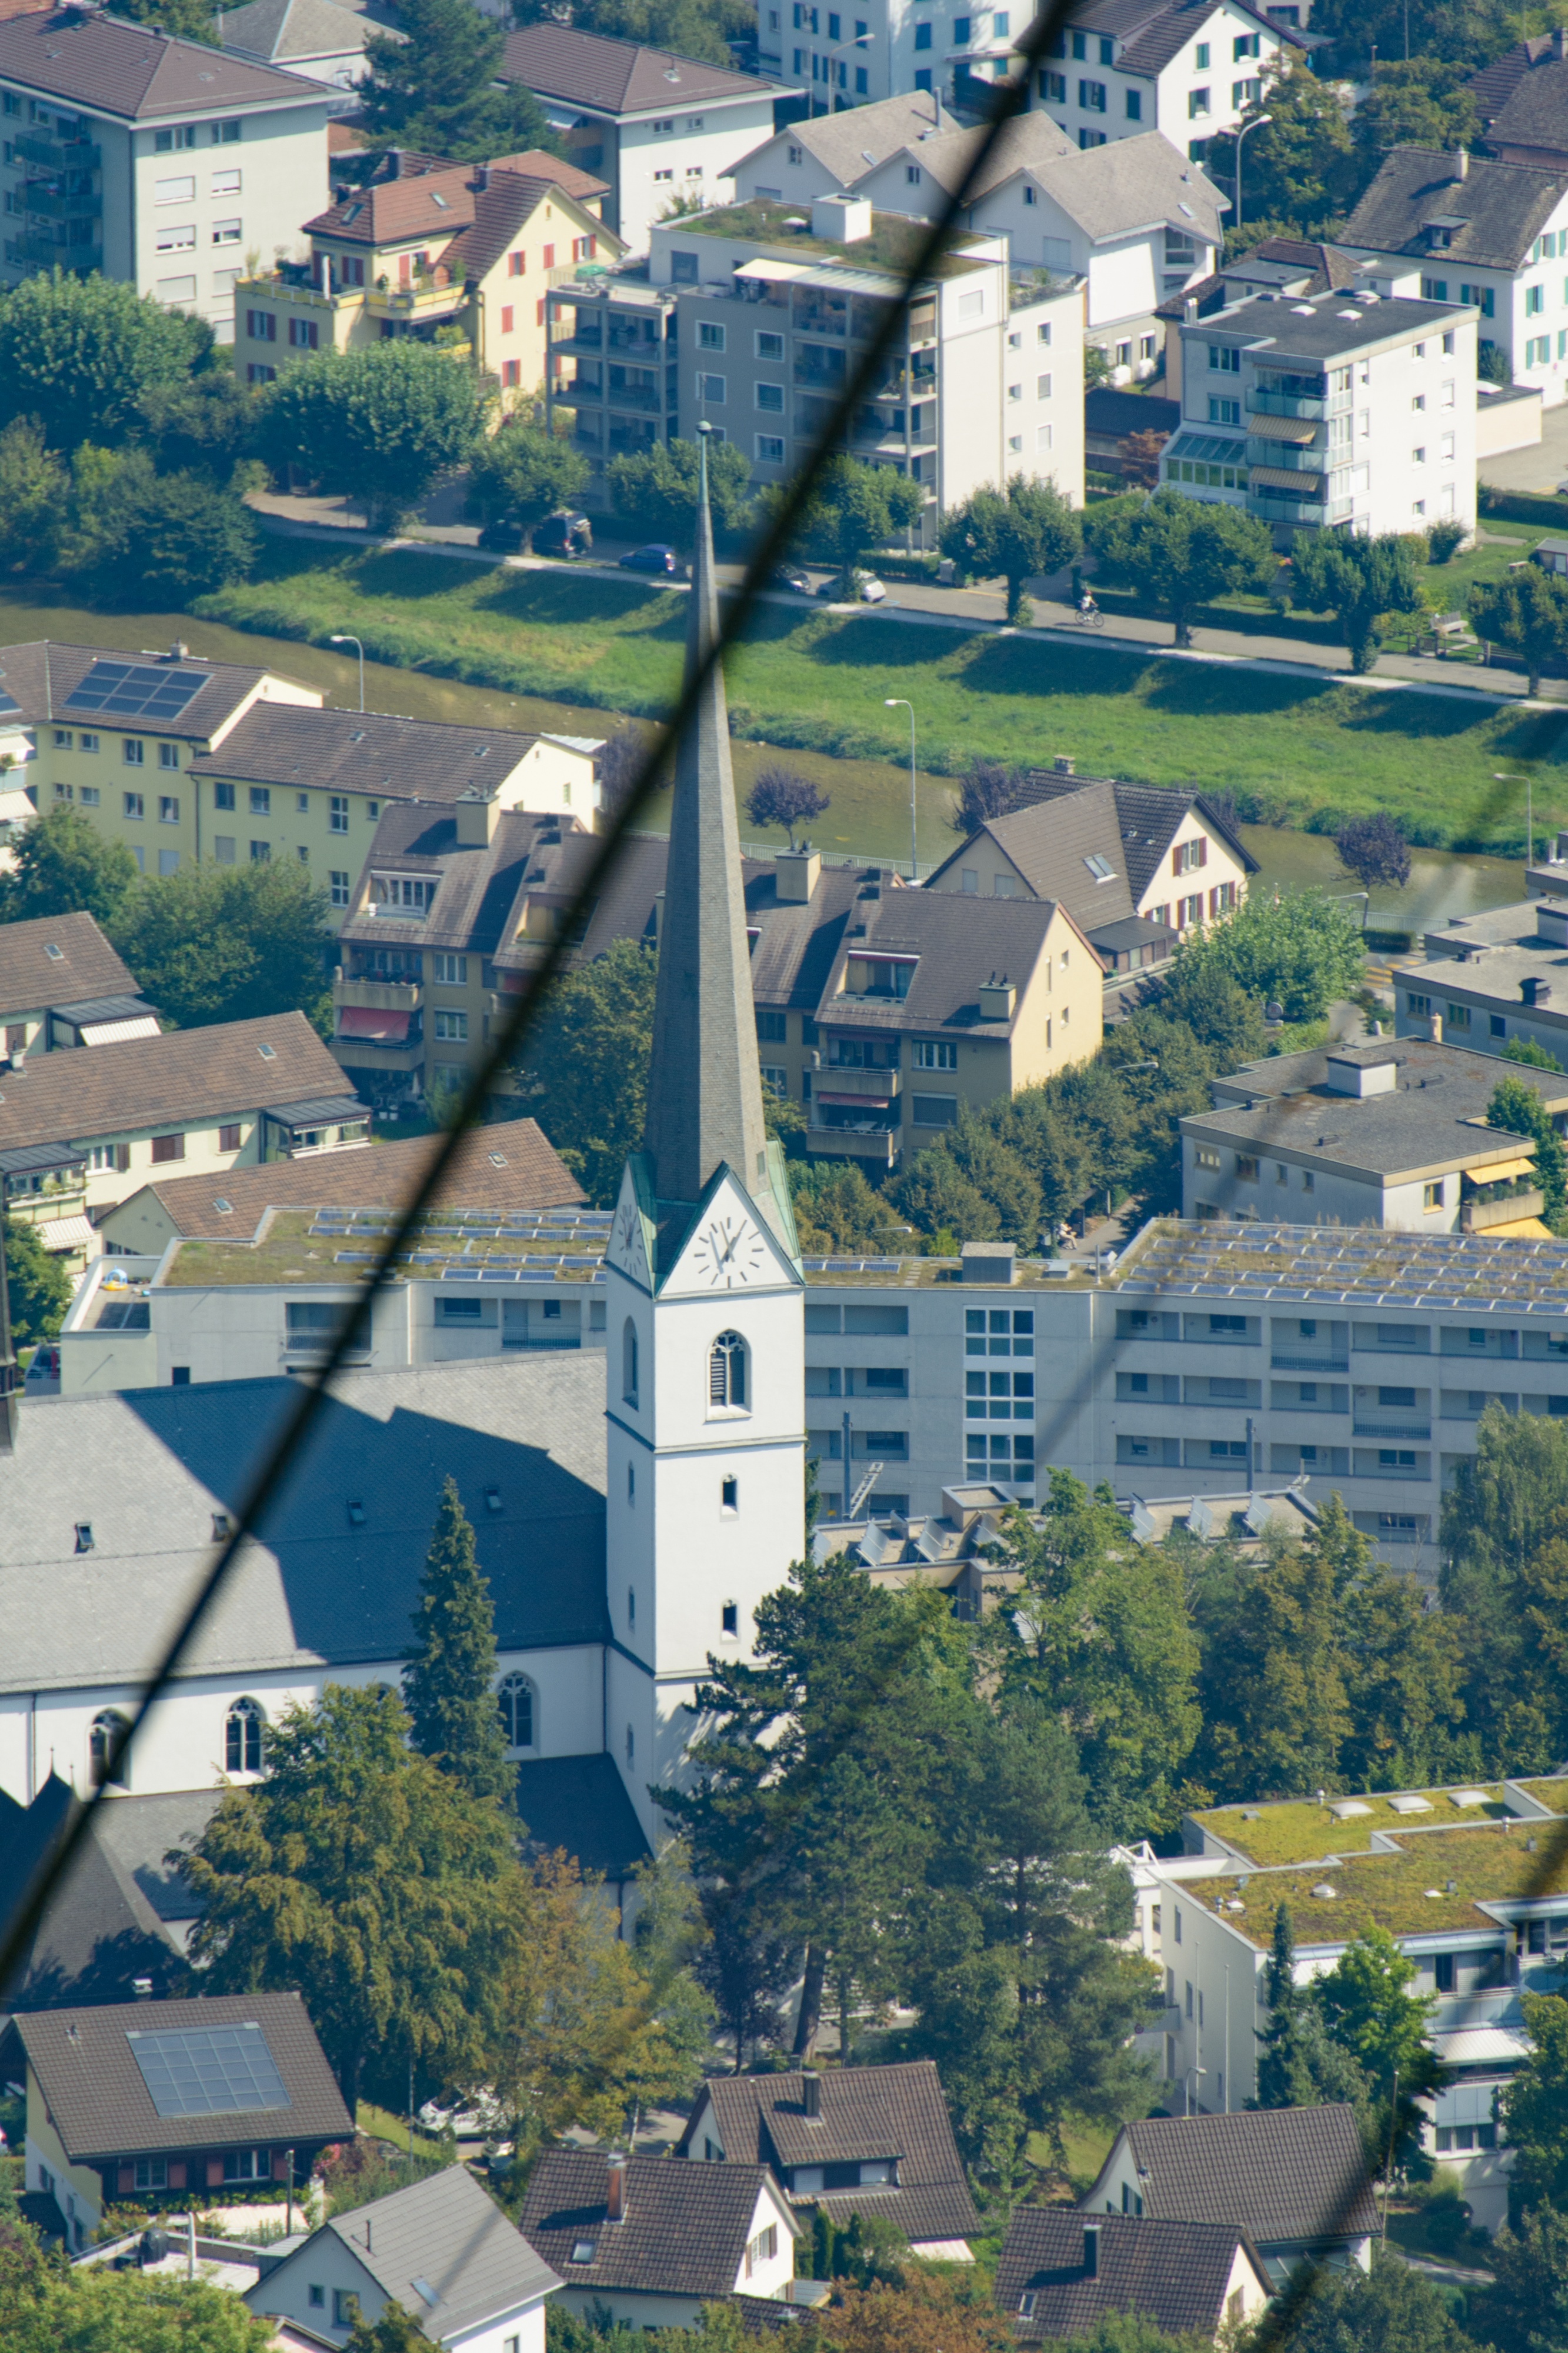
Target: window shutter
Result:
[718, 1384]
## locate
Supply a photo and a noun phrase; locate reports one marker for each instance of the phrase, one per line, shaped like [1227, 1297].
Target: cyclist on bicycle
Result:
[1088, 606]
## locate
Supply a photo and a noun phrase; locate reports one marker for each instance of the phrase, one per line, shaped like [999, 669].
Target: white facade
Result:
[1226, 57]
[654, 159]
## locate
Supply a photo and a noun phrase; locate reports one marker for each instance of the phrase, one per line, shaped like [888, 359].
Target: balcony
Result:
[52, 253]
[631, 335]
[1476, 1217]
[877, 1146]
[1406, 1430]
[1286, 404]
[1269, 507]
[57, 156]
[432, 299]
[866, 1086]
[1287, 1364]
[644, 399]
[45, 204]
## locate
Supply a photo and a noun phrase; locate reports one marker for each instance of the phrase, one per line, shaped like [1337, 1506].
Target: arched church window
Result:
[727, 1371]
[107, 1735]
[629, 1363]
[515, 1700]
[242, 1737]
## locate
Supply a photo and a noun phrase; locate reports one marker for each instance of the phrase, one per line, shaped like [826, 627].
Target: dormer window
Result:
[879, 975]
[405, 896]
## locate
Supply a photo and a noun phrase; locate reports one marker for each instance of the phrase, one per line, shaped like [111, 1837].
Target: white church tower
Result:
[705, 1451]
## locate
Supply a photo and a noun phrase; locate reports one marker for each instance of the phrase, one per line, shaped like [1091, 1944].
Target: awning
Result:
[1280, 428]
[388, 1028]
[774, 269]
[1499, 1171]
[66, 1233]
[1280, 478]
[1210, 447]
[1526, 1229]
[115, 1033]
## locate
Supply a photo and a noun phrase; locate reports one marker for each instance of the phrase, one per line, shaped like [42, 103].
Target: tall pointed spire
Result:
[705, 1088]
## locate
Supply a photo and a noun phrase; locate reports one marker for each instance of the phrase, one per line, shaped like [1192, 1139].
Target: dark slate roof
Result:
[1151, 32]
[101, 1008]
[101, 2107]
[1113, 413]
[1065, 821]
[87, 966]
[1174, 2274]
[1522, 95]
[185, 1075]
[446, 2234]
[363, 752]
[1321, 327]
[1277, 2174]
[40, 674]
[147, 1470]
[684, 2235]
[581, 1804]
[1498, 209]
[619, 77]
[137, 71]
[98, 1931]
[865, 2113]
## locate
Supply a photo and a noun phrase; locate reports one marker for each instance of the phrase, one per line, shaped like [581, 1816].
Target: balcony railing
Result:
[439, 293]
[1392, 1430]
[1286, 404]
[60, 156]
[876, 1086]
[49, 207]
[1271, 507]
[1475, 1217]
[67, 257]
[1289, 1364]
[878, 1146]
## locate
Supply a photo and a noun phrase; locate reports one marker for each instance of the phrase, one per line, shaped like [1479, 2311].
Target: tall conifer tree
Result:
[449, 1690]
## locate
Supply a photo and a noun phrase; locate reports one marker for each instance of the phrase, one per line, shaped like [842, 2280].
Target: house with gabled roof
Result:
[1523, 100]
[151, 2098]
[62, 984]
[651, 2241]
[846, 2141]
[1061, 2273]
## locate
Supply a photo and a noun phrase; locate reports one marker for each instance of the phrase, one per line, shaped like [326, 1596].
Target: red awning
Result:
[371, 1021]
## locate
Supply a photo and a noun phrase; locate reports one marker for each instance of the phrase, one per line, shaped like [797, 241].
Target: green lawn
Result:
[1290, 749]
[381, 2125]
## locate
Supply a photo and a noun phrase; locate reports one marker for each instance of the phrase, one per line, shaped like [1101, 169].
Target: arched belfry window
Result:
[242, 1737]
[518, 1712]
[104, 1745]
[727, 1371]
[629, 1363]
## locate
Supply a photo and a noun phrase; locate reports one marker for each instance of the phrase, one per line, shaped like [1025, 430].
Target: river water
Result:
[1441, 883]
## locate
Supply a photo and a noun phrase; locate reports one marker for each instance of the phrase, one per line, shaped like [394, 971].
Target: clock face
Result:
[626, 1232]
[729, 1253]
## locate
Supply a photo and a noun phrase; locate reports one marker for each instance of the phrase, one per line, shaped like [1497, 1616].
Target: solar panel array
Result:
[125, 690]
[1374, 1264]
[456, 1246]
[208, 2070]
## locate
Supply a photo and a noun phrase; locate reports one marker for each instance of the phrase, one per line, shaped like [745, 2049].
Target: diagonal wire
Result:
[1011, 98]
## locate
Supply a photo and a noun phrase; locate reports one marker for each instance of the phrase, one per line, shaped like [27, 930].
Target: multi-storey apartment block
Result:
[1490, 983]
[157, 161]
[1340, 411]
[750, 325]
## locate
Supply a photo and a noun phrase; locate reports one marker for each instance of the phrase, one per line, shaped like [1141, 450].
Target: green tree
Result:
[523, 474]
[1535, 2110]
[1358, 581]
[33, 485]
[656, 490]
[1098, 1631]
[1528, 1051]
[936, 1197]
[1420, 103]
[50, 2307]
[1370, 2011]
[379, 425]
[1503, 1578]
[64, 865]
[165, 539]
[1023, 533]
[82, 354]
[853, 511]
[1299, 2067]
[37, 1285]
[1181, 553]
[1516, 1107]
[1527, 2312]
[1463, 33]
[439, 88]
[1390, 2310]
[361, 1874]
[1296, 947]
[1275, 1709]
[585, 1078]
[393, 2330]
[1526, 612]
[835, 1210]
[215, 943]
[999, 1175]
[186, 20]
[1376, 851]
[450, 1688]
[781, 800]
[668, 1941]
[1299, 167]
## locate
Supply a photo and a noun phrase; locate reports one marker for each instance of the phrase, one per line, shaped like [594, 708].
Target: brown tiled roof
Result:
[865, 2113]
[135, 70]
[618, 77]
[40, 674]
[1174, 2274]
[185, 1075]
[685, 2231]
[532, 1175]
[538, 164]
[1147, 816]
[86, 968]
[431, 201]
[1277, 2174]
[504, 207]
[362, 751]
[101, 2107]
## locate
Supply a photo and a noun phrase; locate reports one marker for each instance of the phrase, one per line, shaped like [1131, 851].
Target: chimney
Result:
[988, 1262]
[1462, 164]
[616, 2187]
[179, 651]
[478, 815]
[997, 998]
[1091, 2251]
[811, 2092]
[1064, 765]
[1435, 1028]
[394, 163]
[481, 177]
[1346, 1076]
[1560, 42]
[1190, 311]
[1534, 992]
[795, 874]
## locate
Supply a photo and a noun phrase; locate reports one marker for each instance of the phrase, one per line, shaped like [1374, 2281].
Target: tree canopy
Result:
[450, 1688]
[1181, 553]
[520, 475]
[780, 798]
[381, 425]
[80, 355]
[63, 865]
[1023, 532]
[1359, 580]
[1516, 1107]
[1297, 948]
[585, 1077]
[211, 943]
[1526, 612]
[1535, 2110]
[853, 511]
[1503, 1575]
[1374, 849]
[656, 490]
[1299, 168]
[37, 1286]
[440, 87]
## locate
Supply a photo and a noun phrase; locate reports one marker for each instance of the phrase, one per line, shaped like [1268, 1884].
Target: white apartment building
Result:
[1460, 227]
[1137, 225]
[1491, 984]
[157, 161]
[1342, 410]
[656, 127]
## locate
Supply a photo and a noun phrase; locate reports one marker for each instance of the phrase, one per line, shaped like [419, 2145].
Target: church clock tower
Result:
[705, 1450]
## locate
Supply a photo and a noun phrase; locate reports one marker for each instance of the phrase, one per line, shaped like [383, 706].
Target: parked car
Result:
[790, 575]
[563, 534]
[657, 559]
[864, 588]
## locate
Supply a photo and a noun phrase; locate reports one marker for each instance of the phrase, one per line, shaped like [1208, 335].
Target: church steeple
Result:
[705, 1089]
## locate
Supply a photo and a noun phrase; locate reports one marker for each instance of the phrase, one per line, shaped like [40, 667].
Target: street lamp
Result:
[1256, 124]
[342, 638]
[861, 41]
[1188, 2081]
[897, 703]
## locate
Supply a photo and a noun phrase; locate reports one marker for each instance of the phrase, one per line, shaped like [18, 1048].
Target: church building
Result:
[631, 1508]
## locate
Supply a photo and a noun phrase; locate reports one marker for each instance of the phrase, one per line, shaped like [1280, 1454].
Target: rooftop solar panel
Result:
[135, 691]
[208, 2070]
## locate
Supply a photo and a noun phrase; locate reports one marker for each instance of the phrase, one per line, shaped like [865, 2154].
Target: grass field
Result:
[1294, 752]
